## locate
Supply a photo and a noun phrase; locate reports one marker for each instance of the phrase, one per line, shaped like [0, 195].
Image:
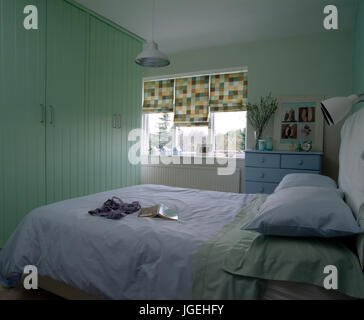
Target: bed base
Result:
[63, 290]
[275, 290]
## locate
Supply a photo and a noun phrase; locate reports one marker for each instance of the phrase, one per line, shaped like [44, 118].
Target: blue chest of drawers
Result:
[264, 170]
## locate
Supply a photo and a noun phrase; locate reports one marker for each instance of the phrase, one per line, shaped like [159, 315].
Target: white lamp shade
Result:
[335, 109]
[152, 57]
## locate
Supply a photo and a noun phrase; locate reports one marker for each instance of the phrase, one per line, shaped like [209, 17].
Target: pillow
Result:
[306, 180]
[305, 212]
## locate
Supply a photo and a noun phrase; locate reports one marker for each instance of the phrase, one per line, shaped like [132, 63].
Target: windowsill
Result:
[205, 160]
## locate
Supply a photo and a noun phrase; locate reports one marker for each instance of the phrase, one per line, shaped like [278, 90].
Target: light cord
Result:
[153, 20]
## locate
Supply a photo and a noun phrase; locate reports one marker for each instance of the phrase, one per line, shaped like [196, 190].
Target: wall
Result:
[318, 64]
[358, 60]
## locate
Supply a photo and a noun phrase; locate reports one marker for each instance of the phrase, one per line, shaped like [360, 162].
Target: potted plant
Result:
[260, 114]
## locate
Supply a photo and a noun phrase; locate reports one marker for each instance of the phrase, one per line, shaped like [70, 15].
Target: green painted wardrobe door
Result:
[67, 34]
[131, 106]
[114, 107]
[22, 135]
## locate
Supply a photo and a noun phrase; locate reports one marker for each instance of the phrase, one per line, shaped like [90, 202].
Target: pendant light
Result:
[151, 56]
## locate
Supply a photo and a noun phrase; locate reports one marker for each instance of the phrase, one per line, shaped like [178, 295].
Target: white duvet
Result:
[131, 258]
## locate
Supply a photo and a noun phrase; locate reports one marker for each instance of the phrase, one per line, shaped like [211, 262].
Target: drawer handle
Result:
[261, 189]
[51, 121]
[263, 160]
[300, 162]
[262, 175]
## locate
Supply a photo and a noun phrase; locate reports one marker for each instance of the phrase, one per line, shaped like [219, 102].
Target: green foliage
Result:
[163, 131]
[259, 114]
[242, 139]
[239, 140]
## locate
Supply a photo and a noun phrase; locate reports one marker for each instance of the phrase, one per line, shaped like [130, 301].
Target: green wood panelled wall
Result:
[114, 89]
[22, 136]
[67, 43]
[70, 92]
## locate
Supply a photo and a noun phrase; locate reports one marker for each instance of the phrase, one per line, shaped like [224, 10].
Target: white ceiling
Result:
[191, 24]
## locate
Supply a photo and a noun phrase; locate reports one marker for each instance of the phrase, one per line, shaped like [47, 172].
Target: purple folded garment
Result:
[115, 209]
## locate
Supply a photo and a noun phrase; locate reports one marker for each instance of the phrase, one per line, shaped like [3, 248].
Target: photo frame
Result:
[299, 119]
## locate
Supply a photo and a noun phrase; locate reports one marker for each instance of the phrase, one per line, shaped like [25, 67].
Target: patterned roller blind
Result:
[229, 92]
[192, 101]
[158, 96]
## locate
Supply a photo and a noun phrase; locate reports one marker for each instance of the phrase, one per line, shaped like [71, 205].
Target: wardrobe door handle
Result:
[119, 121]
[42, 113]
[114, 121]
[52, 115]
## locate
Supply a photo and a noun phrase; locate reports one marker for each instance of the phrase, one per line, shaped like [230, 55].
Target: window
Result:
[165, 139]
[159, 134]
[225, 126]
[191, 140]
[199, 115]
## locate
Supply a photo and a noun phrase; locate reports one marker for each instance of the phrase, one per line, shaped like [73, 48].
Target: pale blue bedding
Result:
[132, 258]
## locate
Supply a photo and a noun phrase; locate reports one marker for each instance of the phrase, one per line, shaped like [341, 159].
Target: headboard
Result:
[351, 175]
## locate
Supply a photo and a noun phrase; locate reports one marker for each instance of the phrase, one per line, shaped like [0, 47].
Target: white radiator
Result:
[194, 177]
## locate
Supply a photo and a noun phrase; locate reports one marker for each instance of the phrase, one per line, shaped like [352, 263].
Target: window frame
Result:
[210, 138]
[211, 132]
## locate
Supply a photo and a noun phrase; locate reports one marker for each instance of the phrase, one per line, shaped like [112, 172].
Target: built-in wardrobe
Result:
[70, 93]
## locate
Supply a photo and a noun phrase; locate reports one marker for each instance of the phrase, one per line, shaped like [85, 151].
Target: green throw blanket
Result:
[234, 264]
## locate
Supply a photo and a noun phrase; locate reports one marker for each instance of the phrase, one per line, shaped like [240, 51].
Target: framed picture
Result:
[299, 119]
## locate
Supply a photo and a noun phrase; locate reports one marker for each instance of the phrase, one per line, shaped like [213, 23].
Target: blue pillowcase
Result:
[305, 212]
[306, 180]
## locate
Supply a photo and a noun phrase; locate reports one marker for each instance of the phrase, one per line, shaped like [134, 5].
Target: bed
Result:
[131, 258]
[80, 256]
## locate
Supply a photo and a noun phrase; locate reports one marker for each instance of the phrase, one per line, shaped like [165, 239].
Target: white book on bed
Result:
[161, 211]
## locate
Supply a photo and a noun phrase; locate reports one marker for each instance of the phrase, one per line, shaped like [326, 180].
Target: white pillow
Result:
[306, 180]
[305, 212]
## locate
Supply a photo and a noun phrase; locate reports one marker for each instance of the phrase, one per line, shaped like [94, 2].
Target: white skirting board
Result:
[195, 177]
